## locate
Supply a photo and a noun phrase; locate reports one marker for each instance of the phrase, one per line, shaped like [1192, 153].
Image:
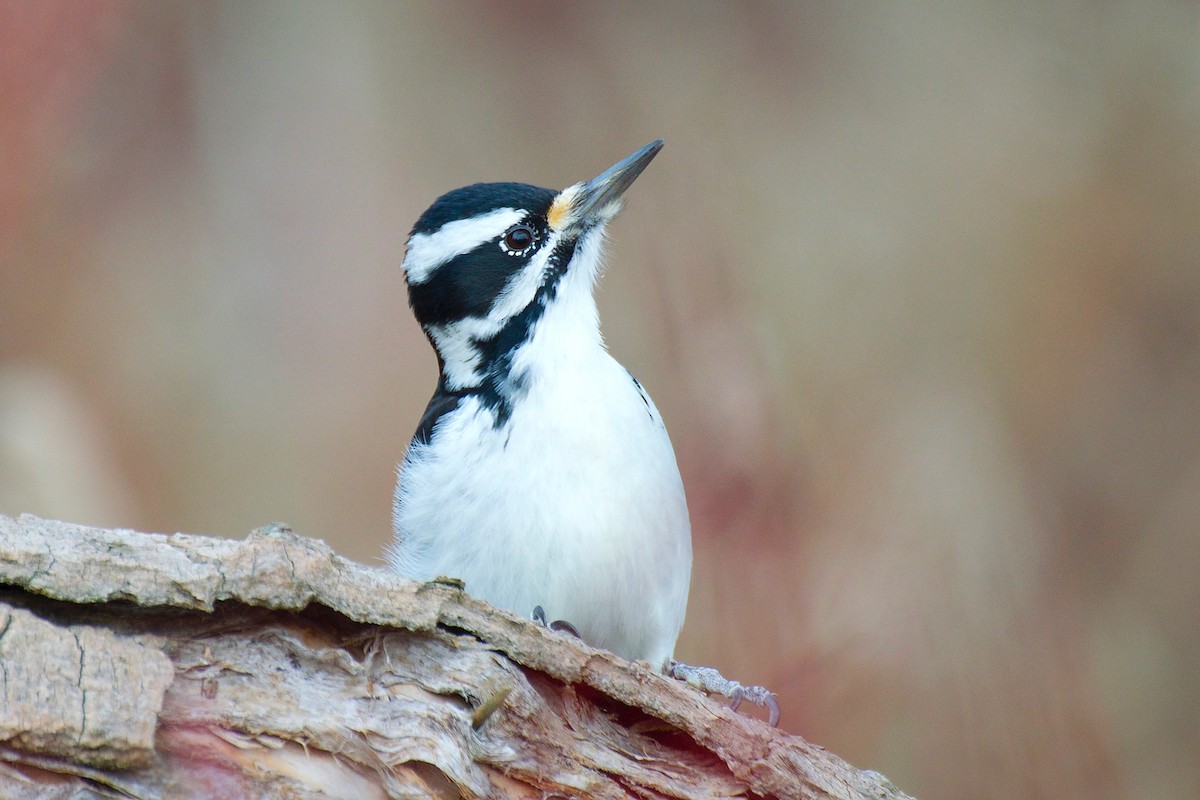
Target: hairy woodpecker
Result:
[541, 473]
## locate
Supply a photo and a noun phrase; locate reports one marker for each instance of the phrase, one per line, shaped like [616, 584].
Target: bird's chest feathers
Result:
[574, 438]
[575, 420]
[573, 395]
[579, 437]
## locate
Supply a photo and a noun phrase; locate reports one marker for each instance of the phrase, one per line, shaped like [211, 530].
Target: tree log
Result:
[143, 666]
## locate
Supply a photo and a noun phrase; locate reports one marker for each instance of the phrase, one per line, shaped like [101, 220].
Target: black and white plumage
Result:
[541, 473]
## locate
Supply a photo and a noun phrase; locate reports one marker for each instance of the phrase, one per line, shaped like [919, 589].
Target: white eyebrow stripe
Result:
[428, 251]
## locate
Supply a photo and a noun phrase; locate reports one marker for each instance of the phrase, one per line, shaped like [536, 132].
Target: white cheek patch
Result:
[428, 251]
[456, 343]
[460, 361]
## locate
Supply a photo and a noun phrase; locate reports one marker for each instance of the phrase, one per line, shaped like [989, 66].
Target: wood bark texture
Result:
[140, 665]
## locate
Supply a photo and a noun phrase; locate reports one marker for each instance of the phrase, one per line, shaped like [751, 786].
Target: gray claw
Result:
[709, 680]
[562, 626]
[558, 625]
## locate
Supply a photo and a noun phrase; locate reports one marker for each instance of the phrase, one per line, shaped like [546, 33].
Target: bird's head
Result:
[486, 263]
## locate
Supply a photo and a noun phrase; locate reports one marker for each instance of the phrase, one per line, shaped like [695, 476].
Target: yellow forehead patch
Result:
[560, 209]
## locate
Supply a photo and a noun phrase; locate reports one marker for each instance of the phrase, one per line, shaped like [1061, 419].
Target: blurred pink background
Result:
[916, 288]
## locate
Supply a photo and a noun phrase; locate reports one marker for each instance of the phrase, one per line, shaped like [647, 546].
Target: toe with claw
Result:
[560, 625]
[708, 679]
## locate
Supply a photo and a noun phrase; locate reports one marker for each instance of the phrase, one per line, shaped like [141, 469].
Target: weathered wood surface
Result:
[142, 665]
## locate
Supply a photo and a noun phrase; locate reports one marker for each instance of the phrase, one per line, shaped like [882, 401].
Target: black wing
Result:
[442, 403]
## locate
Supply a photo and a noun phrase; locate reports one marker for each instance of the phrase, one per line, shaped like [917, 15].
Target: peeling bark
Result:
[142, 665]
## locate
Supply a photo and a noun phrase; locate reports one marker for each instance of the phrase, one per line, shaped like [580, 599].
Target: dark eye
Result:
[519, 240]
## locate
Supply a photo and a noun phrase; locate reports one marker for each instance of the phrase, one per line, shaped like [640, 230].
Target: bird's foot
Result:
[708, 679]
[560, 625]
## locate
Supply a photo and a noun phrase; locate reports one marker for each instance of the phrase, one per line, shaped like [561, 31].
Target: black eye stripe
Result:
[497, 384]
[465, 286]
[468, 284]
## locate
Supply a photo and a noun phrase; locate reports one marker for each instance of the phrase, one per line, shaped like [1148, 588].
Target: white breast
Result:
[574, 504]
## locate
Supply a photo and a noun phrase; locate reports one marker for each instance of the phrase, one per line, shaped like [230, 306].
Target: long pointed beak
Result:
[598, 200]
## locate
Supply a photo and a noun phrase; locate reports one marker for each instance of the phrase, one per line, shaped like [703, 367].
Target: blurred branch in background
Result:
[916, 290]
